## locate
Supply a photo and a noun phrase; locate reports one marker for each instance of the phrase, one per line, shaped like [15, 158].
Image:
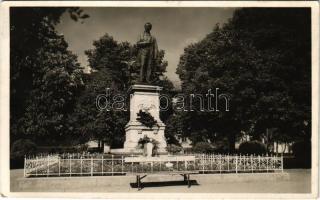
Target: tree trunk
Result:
[102, 146]
[285, 148]
[267, 139]
[232, 142]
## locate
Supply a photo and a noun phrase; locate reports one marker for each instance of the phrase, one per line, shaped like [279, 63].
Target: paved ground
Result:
[299, 181]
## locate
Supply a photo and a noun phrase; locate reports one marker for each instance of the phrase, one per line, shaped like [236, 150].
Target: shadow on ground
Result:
[164, 184]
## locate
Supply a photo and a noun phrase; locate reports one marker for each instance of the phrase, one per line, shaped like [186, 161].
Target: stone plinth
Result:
[145, 98]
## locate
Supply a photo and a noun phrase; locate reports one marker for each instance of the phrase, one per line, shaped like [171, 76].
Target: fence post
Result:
[131, 164]
[185, 165]
[24, 166]
[281, 162]
[91, 166]
[112, 164]
[220, 167]
[267, 162]
[194, 163]
[122, 169]
[259, 163]
[81, 165]
[236, 163]
[203, 163]
[36, 165]
[59, 165]
[247, 161]
[69, 165]
[274, 163]
[152, 166]
[102, 165]
[251, 162]
[228, 160]
[240, 160]
[246, 157]
[47, 165]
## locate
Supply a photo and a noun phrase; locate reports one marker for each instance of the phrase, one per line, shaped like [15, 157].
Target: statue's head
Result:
[148, 26]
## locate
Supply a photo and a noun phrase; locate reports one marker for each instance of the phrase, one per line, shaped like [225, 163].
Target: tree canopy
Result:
[262, 59]
[45, 78]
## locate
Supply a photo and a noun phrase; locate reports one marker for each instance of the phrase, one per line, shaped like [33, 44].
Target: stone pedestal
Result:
[145, 98]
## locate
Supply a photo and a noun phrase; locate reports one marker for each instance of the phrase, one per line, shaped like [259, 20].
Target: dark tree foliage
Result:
[22, 147]
[262, 59]
[45, 78]
[302, 152]
[168, 91]
[174, 149]
[111, 56]
[202, 147]
[93, 123]
[120, 58]
[176, 127]
[253, 147]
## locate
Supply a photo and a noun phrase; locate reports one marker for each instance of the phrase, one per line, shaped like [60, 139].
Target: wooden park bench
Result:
[166, 165]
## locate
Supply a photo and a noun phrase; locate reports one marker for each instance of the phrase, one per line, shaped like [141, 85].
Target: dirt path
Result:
[299, 182]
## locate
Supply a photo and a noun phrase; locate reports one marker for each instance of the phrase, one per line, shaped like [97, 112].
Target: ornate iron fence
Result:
[95, 165]
[212, 163]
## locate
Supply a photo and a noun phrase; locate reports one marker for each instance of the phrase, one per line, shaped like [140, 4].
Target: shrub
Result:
[173, 149]
[19, 149]
[94, 150]
[144, 140]
[22, 147]
[202, 147]
[65, 149]
[302, 153]
[82, 148]
[252, 147]
[221, 146]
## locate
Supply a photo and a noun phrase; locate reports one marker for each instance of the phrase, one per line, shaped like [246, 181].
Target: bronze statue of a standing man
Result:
[148, 53]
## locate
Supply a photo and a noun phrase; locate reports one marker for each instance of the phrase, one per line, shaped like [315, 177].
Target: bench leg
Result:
[189, 184]
[139, 179]
[184, 177]
[138, 182]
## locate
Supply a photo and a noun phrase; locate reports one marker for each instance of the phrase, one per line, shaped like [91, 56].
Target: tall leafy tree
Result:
[96, 123]
[45, 75]
[262, 59]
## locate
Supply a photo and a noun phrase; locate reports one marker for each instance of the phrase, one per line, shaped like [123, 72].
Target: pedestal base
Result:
[144, 98]
[135, 131]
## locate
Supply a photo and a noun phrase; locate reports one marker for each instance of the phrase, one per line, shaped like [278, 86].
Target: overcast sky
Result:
[174, 28]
